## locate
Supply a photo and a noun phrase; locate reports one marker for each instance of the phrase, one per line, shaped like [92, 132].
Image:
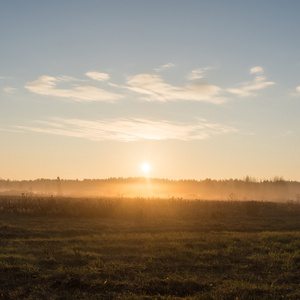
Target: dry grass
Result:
[148, 249]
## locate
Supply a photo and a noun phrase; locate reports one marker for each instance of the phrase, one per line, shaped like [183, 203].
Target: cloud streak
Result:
[155, 89]
[46, 85]
[258, 83]
[98, 76]
[297, 92]
[129, 129]
[9, 90]
[165, 66]
[149, 87]
[198, 73]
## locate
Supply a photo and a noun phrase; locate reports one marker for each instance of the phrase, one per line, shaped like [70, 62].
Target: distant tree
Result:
[58, 185]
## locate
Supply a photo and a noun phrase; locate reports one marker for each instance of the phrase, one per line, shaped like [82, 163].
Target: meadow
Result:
[148, 248]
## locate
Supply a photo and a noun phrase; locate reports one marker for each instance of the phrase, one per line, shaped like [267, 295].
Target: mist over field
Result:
[276, 189]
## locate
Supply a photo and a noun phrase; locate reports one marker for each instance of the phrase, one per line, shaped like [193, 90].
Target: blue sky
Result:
[92, 89]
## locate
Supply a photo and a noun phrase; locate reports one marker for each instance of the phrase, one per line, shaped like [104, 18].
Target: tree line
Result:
[276, 189]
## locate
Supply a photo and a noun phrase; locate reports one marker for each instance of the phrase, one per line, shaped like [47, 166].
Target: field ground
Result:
[250, 253]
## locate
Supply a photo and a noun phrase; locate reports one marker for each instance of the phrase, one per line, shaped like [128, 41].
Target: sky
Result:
[197, 89]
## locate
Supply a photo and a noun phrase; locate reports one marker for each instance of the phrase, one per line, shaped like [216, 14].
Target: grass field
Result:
[56, 248]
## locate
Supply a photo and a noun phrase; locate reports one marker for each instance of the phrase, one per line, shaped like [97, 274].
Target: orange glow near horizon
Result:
[146, 167]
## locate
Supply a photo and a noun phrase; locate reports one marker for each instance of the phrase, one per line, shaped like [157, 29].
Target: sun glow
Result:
[145, 168]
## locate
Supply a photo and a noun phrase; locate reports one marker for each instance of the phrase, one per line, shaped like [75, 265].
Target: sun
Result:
[145, 167]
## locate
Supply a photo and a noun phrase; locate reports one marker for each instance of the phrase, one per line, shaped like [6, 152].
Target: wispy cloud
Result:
[9, 90]
[98, 76]
[150, 87]
[165, 66]
[156, 89]
[65, 78]
[46, 85]
[297, 92]
[256, 70]
[258, 83]
[198, 73]
[129, 129]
